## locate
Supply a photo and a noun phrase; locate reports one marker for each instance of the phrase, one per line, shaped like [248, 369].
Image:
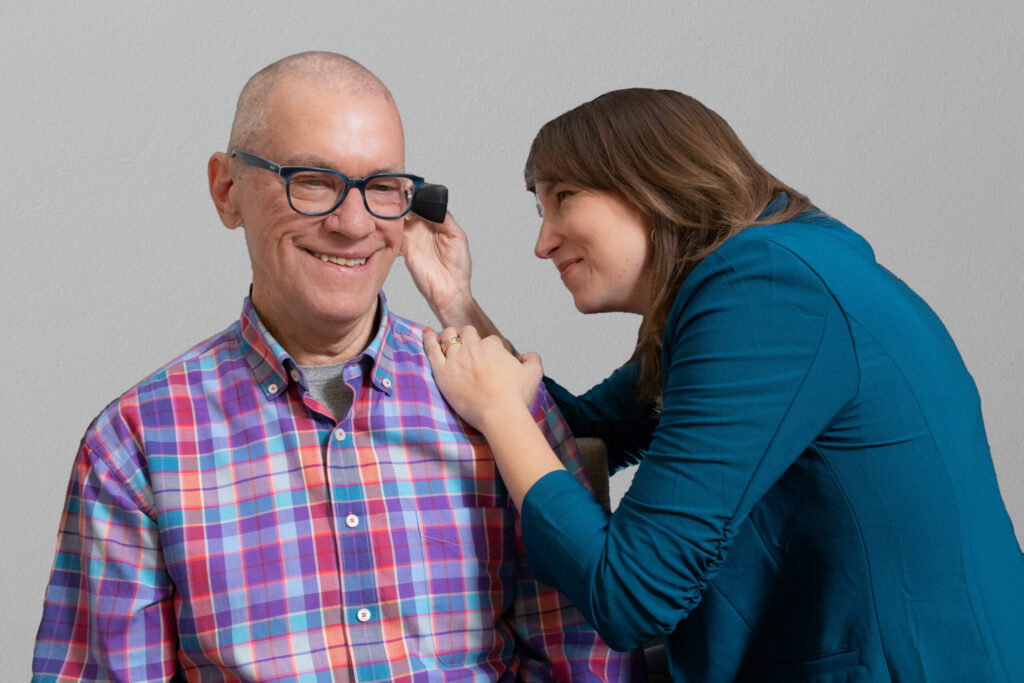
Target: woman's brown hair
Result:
[681, 166]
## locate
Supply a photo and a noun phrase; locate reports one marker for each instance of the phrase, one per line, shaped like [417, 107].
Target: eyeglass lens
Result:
[384, 196]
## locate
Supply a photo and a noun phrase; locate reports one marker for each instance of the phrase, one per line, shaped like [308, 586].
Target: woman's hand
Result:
[437, 256]
[482, 381]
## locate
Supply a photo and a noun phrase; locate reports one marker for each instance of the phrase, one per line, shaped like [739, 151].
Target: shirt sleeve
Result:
[555, 640]
[108, 613]
[760, 363]
[611, 412]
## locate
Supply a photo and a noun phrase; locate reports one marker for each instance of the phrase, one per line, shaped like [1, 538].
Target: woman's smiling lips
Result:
[566, 266]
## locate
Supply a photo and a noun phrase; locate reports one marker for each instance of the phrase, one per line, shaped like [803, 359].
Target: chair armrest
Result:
[595, 461]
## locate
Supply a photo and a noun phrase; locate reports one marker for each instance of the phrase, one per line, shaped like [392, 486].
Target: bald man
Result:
[292, 499]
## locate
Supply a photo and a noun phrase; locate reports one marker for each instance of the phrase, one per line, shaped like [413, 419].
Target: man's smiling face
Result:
[320, 272]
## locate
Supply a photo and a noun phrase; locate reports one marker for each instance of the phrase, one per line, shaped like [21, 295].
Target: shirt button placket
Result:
[358, 581]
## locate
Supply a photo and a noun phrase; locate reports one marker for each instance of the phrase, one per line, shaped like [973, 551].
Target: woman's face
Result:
[599, 244]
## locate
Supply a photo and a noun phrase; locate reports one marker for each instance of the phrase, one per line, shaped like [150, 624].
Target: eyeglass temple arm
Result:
[253, 160]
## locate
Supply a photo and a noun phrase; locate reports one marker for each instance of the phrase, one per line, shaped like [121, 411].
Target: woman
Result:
[815, 498]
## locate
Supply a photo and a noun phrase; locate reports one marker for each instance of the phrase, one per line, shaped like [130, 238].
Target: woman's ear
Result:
[218, 172]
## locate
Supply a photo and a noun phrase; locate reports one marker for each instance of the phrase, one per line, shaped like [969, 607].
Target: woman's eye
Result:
[562, 195]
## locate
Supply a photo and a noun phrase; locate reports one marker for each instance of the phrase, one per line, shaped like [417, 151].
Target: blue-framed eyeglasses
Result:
[319, 191]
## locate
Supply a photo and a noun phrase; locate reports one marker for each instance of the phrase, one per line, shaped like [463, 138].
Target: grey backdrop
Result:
[902, 119]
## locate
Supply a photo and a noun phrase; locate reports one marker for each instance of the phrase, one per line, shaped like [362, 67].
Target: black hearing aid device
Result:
[431, 202]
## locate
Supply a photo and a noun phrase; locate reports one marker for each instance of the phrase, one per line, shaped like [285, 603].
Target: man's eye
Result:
[384, 186]
[310, 181]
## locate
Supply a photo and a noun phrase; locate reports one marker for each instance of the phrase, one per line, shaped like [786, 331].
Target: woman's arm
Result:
[437, 257]
[760, 363]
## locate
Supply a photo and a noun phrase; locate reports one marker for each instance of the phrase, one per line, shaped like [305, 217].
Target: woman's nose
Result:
[547, 241]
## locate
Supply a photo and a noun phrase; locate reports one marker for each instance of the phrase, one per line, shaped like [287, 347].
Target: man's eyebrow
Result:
[315, 161]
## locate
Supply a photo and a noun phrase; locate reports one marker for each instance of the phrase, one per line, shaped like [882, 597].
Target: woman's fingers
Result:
[469, 334]
[448, 338]
[479, 377]
[438, 346]
[532, 360]
[432, 346]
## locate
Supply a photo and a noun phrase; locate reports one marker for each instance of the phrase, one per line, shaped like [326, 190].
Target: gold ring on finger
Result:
[448, 342]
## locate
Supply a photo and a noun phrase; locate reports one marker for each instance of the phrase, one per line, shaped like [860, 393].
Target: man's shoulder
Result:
[209, 355]
[205, 355]
[405, 341]
[405, 333]
[119, 425]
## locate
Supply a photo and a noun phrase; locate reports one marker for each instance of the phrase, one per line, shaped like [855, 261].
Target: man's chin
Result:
[347, 316]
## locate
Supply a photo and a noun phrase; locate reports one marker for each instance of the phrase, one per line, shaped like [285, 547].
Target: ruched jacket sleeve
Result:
[758, 361]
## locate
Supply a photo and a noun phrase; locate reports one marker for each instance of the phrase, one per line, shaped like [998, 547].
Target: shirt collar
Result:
[273, 368]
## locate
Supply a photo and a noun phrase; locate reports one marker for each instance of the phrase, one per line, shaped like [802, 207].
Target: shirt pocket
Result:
[471, 569]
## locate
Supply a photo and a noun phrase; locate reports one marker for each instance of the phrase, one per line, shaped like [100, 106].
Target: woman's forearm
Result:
[466, 311]
[520, 450]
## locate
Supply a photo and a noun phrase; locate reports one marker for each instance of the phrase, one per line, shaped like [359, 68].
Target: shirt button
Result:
[296, 375]
[386, 382]
[363, 615]
[352, 521]
[272, 388]
[339, 434]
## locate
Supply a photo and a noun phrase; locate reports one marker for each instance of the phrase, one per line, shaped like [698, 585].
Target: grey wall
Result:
[902, 119]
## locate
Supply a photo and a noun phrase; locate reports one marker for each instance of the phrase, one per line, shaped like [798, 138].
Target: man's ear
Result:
[218, 172]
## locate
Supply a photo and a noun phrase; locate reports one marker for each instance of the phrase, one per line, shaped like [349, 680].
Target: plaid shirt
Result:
[221, 525]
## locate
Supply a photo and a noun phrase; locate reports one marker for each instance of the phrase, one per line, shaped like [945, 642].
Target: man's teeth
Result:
[339, 260]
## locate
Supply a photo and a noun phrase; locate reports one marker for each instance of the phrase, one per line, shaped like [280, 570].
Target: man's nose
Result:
[351, 218]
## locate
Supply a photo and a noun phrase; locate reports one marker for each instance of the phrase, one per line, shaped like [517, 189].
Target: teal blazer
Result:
[816, 501]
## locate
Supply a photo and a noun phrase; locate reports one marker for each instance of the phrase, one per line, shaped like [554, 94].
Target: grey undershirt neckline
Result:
[326, 384]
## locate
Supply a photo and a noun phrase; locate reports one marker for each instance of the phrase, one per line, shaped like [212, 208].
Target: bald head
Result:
[324, 69]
